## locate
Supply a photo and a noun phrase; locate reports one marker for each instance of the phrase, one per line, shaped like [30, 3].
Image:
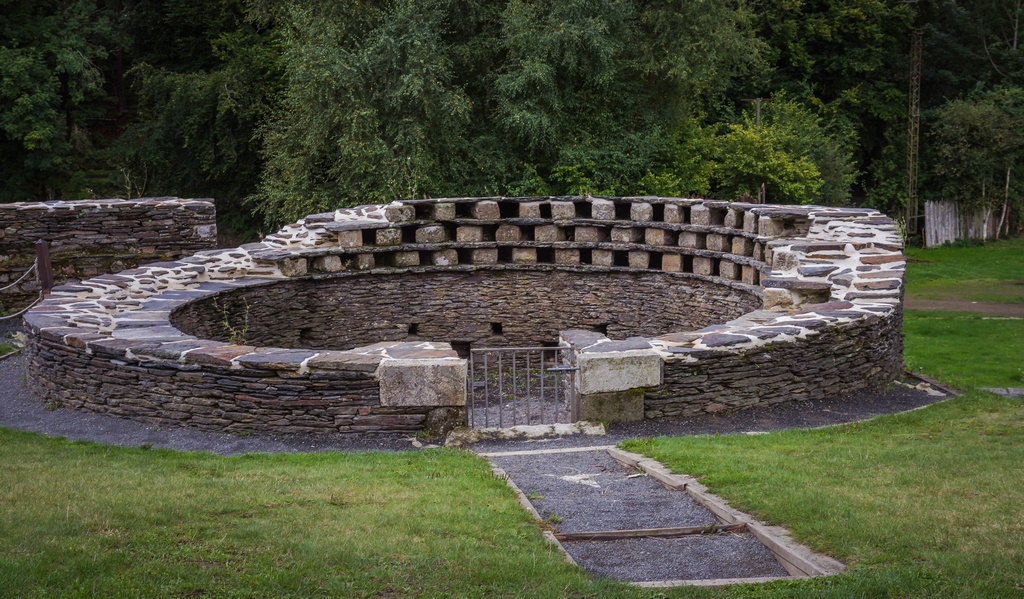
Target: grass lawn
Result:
[924, 504]
[993, 272]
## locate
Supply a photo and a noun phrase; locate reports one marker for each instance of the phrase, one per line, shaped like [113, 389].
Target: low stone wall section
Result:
[93, 237]
[829, 282]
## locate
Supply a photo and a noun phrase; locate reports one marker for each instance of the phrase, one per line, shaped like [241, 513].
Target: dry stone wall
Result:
[828, 283]
[92, 237]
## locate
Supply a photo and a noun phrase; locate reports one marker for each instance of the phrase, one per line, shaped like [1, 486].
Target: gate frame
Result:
[566, 354]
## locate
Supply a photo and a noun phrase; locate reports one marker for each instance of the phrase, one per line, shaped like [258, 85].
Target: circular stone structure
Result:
[359, 320]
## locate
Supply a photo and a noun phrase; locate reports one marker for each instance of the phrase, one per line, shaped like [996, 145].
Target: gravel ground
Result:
[704, 557]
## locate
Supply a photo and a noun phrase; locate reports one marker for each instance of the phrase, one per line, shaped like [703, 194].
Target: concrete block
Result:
[602, 258]
[671, 262]
[750, 275]
[567, 257]
[405, 259]
[563, 211]
[674, 213]
[693, 240]
[485, 210]
[659, 237]
[750, 222]
[350, 239]
[293, 267]
[508, 233]
[729, 270]
[589, 235]
[758, 251]
[469, 234]
[783, 260]
[718, 242]
[524, 255]
[734, 219]
[703, 266]
[388, 236]
[617, 371]
[742, 246]
[602, 209]
[365, 262]
[641, 212]
[425, 382]
[700, 215]
[627, 234]
[431, 234]
[328, 264]
[444, 258]
[443, 211]
[779, 300]
[530, 210]
[609, 408]
[639, 259]
[770, 227]
[484, 256]
[548, 233]
[398, 213]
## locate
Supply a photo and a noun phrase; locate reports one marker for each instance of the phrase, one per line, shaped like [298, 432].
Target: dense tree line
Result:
[280, 108]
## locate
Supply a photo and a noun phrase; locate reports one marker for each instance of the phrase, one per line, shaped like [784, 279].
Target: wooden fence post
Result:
[44, 269]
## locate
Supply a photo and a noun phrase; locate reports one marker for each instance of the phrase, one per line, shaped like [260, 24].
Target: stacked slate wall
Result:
[92, 237]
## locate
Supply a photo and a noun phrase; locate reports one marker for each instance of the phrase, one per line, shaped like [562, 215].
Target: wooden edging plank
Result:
[498, 454]
[642, 533]
[709, 582]
[523, 501]
[789, 554]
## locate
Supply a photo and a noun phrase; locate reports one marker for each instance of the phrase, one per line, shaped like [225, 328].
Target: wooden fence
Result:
[944, 221]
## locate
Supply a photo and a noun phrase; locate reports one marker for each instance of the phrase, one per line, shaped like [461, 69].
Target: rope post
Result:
[44, 269]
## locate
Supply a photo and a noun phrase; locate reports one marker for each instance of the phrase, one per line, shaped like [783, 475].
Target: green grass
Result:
[84, 520]
[993, 272]
[966, 350]
[923, 504]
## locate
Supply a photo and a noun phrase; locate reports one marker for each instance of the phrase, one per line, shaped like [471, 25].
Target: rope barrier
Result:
[26, 309]
[23, 277]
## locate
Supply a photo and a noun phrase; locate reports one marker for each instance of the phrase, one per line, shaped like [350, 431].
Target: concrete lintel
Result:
[617, 371]
[422, 382]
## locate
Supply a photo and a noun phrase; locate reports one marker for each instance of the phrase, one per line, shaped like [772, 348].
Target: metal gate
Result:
[513, 386]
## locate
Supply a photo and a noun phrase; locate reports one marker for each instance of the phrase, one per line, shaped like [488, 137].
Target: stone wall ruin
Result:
[674, 306]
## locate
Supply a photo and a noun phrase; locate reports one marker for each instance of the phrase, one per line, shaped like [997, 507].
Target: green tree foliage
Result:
[52, 59]
[978, 143]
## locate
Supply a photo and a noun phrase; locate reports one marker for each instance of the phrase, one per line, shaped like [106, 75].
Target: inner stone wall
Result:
[499, 306]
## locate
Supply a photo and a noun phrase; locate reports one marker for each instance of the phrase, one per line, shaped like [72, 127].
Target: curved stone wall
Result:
[829, 283]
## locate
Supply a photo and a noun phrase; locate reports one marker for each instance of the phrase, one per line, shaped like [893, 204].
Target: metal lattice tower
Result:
[912, 212]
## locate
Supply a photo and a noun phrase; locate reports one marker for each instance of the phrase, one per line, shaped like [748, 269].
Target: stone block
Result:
[750, 222]
[783, 260]
[693, 240]
[405, 259]
[734, 219]
[750, 275]
[728, 269]
[589, 235]
[641, 212]
[328, 264]
[484, 256]
[563, 211]
[659, 237]
[718, 242]
[602, 209]
[508, 233]
[602, 258]
[530, 210]
[293, 267]
[365, 262]
[779, 300]
[742, 246]
[770, 227]
[388, 236]
[443, 211]
[424, 382]
[524, 255]
[758, 251]
[639, 260]
[700, 215]
[671, 262]
[485, 210]
[431, 234]
[445, 258]
[703, 266]
[674, 213]
[609, 408]
[617, 371]
[626, 234]
[397, 212]
[469, 234]
[350, 239]
[571, 257]
[548, 233]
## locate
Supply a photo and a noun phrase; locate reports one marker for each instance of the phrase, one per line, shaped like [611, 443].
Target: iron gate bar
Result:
[516, 394]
